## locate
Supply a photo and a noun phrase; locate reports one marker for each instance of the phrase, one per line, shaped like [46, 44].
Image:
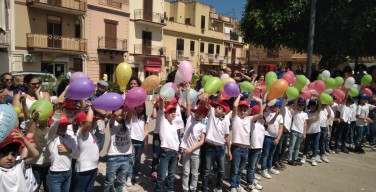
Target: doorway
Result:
[146, 42]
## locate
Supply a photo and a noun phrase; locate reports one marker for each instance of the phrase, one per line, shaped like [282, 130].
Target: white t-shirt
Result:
[217, 128]
[71, 133]
[168, 133]
[241, 130]
[120, 140]
[324, 116]
[299, 118]
[89, 152]
[273, 129]
[178, 121]
[137, 127]
[13, 179]
[313, 126]
[363, 111]
[353, 108]
[345, 113]
[287, 115]
[60, 162]
[192, 134]
[257, 134]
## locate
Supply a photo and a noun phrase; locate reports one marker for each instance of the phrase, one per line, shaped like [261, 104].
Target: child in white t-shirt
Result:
[325, 118]
[343, 128]
[362, 120]
[312, 132]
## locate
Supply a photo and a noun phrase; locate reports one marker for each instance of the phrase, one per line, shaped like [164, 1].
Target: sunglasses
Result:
[8, 79]
[33, 84]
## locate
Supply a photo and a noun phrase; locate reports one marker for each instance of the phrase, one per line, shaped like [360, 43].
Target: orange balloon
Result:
[278, 89]
[151, 82]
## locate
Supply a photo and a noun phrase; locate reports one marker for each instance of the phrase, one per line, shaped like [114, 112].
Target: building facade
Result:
[6, 7]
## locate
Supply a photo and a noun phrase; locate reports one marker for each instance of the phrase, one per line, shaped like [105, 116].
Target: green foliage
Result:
[112, 87]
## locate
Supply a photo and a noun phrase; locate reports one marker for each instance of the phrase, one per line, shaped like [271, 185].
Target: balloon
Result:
[278, 89]
[231, 89]
[325, 74]
[77, 75]
[338, 101]
[80, 89]
[45, 108]
[168, 92]
[339, 82]
[205, 79]
[339, 94]
[319, 77]
[224, 96]
[246, 86]
[292, 93]
[213, 85]
[135, 97]
[151, 82]
[245, 95]
[178, 78]
[301, 81]
[353, 92]
[108, 101]
[123, 74]
[192, 96]
[330, 83]
[328, 91]
[326, 98]
[311, 86]
[356, 86]
[272, 102]
[8, 120]
[186, 71]
[367, 91]
[224, 81]
[289, 77]
[349, 82]
[366, 80]
[224, 76]
[306, 94]
[270, 77]
[319, 86]
[18, 110]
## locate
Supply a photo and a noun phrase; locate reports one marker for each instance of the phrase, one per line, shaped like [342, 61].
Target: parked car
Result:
[49, 81]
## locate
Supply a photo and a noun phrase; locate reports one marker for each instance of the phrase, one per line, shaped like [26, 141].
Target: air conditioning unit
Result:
[28, 58]
[168, 58]
[163, 21]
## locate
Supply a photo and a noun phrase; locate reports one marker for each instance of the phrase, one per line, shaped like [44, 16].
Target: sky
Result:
[227, 6]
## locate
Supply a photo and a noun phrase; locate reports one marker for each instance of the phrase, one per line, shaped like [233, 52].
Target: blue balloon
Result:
[245, 96]
[192, 96]
[8, 120]
[168, 92]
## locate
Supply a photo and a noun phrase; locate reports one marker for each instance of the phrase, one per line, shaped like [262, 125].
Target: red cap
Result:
[173, 101]
[169, 107]
[64, 120]
[10, 139]
[245, 103]
[201, 109]
[80, 117]
[70, 104]
[255, 109]
[223, 104]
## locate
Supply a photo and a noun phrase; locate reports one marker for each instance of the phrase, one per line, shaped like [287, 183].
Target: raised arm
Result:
[188, 100]
[155, 109]
[273, 119]
[114, 116]
[30, 148]
[89, 121]
[235, 106]
[261, 111]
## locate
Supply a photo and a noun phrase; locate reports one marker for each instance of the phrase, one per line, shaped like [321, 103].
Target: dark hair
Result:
[3, 85]
[61, 87]
[29, 77]
[142, 115]
[171, 76]
[12, 147]
[2, 77]
[136, 79]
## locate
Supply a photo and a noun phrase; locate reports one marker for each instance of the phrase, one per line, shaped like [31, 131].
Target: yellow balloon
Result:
[151, 82]
[225, 80]
[18, 110]
[123, 74]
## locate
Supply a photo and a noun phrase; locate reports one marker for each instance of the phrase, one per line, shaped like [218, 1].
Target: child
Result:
[274, 121]
[241, 132]
[298, 132]
[193, 139]
[325, 115]
[119, 154]
[343, 128]
[62, 149]
[217, 134]
[13, 170]
[19, 84]
[169, 146]
[362, 120]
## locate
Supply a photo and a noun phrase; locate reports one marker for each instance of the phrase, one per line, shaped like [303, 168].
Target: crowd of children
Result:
[62, 152]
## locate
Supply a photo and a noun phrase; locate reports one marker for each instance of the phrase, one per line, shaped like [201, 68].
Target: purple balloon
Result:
[135, 97]
[108, 102]
[80, 89]
[77, 75]
[231, 89]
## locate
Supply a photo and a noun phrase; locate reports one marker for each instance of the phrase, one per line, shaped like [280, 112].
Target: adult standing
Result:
[7, 78]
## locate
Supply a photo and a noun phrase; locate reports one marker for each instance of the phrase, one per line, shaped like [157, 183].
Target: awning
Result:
[153, 69]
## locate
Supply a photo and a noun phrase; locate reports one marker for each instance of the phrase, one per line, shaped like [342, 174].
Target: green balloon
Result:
[45, 108]
[213, 85]
[353, 92]
[246, 86]
[301, 81]
[326, 98]
[292, 93]
[205, 79]
[319, 77]
[366, 80]
[330, 83]
[270, 77]
[339, 82]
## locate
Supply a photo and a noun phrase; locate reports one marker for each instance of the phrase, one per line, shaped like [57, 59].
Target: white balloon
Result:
[325, 74]
[272, 102]
[305, 86]
[349, 82]
[357, 86]
[178, 78]
[329, 91]
[224, 76]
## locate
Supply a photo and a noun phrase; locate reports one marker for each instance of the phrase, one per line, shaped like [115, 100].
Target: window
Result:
[188, 21]
[77, 29]
[202, 47]
[2, 14]
[211, 48]
[179, 44]
[217, 50]
[54, 28]
[226, 51]
[146, 42]
[108, 69]
[171, 19]
[54, 68]
[110, 32]
[202, 22]
[192, 46]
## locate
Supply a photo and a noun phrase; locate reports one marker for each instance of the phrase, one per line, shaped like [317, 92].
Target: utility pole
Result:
[311, 37]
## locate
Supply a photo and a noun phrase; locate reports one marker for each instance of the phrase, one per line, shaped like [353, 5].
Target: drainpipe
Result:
[83, 32]
[11, 23]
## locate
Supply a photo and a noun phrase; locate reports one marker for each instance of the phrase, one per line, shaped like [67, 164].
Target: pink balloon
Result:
[339, 94]
[289, 77]
[344, 89]
[135, 97]
[306, 94]
[77, 75]
[311, 86]
[172, 85]
[319, 86]
[224, 96]
[338, 101]
[367, 91]
[186, 71]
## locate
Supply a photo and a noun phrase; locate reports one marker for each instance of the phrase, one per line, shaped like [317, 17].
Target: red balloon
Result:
[338, 101]
[319, 86]
[311, 86]
[367, 91]
[339, 94]
[224, 96]
[289, 77]
[306, 94]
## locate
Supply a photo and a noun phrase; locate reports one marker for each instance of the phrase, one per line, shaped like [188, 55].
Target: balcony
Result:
[149, 18]
[111, 3]
[221, 18]
[232, 36]
[55, 43]
[140, 49]
[74, 7]
[4, 38]
[211, 57]
[180, 55]
[112, 44]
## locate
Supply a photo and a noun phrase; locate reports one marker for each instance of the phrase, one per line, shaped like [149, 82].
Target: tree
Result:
[343, 27]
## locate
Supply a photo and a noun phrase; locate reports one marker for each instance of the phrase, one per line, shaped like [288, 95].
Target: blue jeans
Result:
[214, 154]
[156, 152]
[311, 139]
[359, 139]
[85, 180]
[59, 181]
[253, 158]
[40, 174]
[281, 147]
[191, 163]
[323, 135]
[295, 140]
[138, 147]
[116, 172]
[341, 135]
[167, 164]
[239, 159]
[268, 149]
[351, 132]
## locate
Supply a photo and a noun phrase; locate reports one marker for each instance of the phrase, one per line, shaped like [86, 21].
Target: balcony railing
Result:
[149, 50]
[80, 5]
[4, 38]
[232, 36]
[180, 55]
[111, 3]
[140, 14]
[55, 42]
[112, 43]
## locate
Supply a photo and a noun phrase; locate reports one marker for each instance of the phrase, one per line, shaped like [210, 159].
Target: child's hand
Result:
[369, 120]
[36, 115]
[229, 155]
[188, 86]
[63, 149]
[188, 151]
[276, 141]
[258, 99]
[18, 135]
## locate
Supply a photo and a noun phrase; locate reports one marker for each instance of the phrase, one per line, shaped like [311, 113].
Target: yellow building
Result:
[6, 7]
